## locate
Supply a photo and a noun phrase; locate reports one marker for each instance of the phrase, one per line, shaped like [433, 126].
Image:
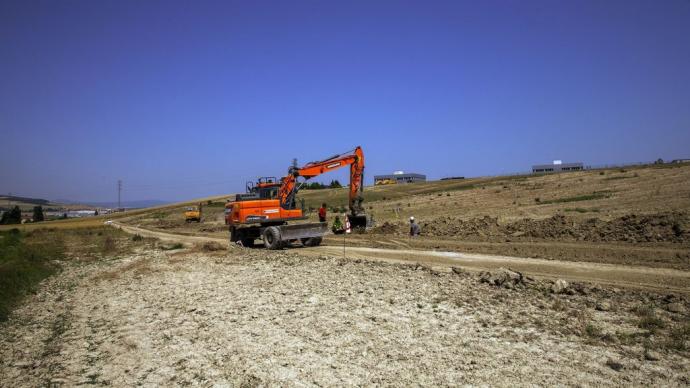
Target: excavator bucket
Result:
[359, 221]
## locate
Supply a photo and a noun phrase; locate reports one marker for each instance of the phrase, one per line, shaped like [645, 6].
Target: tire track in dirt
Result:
[659, 279]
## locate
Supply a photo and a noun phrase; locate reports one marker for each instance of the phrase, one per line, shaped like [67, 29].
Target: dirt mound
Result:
[664, 227]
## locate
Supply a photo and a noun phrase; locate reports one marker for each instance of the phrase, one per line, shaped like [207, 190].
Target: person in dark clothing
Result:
[414, 228]
[322, 213]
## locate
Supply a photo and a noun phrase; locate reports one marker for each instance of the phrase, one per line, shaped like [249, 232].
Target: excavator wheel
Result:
[311, 242]
[272, 238]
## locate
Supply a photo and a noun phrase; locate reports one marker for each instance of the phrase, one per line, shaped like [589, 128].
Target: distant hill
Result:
[126, 204]
[25, 200]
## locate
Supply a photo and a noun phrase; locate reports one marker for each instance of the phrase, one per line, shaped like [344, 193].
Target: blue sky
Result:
[188, 99]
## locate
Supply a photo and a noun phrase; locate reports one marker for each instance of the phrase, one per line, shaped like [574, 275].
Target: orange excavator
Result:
[267, 207]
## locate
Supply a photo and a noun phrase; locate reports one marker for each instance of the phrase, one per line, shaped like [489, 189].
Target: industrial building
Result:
[399, 177]
[557, 166]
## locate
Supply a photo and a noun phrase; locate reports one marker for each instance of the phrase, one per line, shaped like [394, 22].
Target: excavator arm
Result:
[354, 159]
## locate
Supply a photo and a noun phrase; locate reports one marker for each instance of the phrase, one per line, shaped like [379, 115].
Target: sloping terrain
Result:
[601, 194]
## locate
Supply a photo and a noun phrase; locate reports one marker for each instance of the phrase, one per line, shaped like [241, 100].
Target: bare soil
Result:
[247, 317]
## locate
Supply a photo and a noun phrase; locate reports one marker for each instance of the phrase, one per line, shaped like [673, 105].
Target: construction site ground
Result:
[160, 314]
[186, 307]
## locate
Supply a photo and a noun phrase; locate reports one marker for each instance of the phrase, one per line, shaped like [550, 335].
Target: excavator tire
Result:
[311, 242]
[272, 238]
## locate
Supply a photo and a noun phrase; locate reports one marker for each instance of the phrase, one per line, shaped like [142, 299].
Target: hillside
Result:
[604, 194]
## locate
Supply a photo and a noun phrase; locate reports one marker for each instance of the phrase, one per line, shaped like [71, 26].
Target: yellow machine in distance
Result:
[192, 213]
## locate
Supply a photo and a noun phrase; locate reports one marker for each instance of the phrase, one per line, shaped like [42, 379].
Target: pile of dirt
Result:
[663, 227]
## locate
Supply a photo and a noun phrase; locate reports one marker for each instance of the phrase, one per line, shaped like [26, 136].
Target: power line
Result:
[119, 191]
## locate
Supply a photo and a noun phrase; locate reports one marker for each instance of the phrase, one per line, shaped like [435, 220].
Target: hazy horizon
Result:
[183, 100]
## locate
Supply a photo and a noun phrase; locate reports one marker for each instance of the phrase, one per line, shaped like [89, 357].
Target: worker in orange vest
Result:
[322, 213]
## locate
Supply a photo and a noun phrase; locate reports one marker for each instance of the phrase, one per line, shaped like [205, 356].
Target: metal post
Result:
[119, 191]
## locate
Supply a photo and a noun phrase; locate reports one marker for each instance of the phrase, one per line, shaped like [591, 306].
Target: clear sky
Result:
[192, 98]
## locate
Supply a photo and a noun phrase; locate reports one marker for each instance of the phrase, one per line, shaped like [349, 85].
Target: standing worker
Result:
[322, 213]
[414, 228]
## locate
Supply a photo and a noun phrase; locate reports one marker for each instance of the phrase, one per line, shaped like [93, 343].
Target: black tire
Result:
[311, 242]
[272, 238]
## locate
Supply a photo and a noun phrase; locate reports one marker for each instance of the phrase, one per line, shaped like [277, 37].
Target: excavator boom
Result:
[354, 159]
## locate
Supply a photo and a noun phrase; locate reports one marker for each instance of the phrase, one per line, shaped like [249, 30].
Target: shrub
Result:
[593, 331]
[648, 319]
[109, 245]
[137, 237]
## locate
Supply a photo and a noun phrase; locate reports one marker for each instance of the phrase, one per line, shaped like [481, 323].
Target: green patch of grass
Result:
[24, 262]
[160, 215]
[172, 247]
[580, 210]
[578, 198]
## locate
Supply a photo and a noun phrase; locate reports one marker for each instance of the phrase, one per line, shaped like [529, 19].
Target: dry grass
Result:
[648, 190]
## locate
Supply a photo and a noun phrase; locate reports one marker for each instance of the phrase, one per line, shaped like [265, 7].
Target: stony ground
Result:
[250, 317]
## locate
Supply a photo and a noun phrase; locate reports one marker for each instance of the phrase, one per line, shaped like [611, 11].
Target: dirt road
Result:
[660, 279]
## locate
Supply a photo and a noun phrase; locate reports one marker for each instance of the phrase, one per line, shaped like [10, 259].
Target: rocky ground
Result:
[206, 316]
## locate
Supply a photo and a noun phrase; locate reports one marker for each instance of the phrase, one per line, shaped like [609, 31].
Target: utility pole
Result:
[119, 191]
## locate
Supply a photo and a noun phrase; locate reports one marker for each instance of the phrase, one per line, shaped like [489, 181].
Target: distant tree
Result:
[335, 184]
[314, 186]
[38, 213]
[64, 216]
[95, 212]
[13, 216]
[659, 161]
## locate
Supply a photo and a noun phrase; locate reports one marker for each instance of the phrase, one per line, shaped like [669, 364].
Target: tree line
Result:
[318, 186]
[14, 216]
